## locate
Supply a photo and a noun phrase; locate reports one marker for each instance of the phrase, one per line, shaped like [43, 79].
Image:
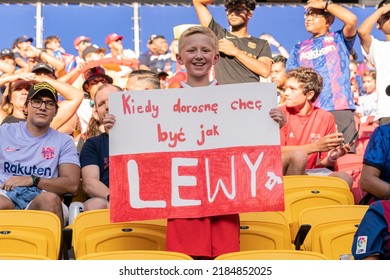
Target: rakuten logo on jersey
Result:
[21, 170]
[312, 54]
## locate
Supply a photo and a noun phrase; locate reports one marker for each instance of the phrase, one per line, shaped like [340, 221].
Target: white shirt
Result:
[379, 56]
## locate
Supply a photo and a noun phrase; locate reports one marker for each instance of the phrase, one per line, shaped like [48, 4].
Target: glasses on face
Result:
[312, 15]
[237, 9]
[37, 103]
[98, 80]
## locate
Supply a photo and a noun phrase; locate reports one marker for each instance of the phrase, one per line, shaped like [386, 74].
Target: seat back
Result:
[365, 132]
[302, 191]
[272, 255]
[93, 233]
[136, 255]
[23, 257]
[332, 228]
[30, 232]
[352, 164]
[264, 231]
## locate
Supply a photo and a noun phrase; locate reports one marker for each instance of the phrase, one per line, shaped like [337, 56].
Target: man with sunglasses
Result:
[328, 53]
[38, 164]
[378, 53]
[243, 58]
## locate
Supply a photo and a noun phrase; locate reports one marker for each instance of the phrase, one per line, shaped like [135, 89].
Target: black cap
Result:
[42, 66]
[6, 52]
[92, 49]
[22, 39]
[41, 88]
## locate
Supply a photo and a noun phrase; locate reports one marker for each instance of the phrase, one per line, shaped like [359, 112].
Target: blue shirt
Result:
[329, 56]
[377, 153]
[372, 236]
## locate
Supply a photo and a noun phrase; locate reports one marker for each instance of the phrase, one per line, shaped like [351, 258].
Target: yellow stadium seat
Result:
[136, 255]
[303, 191]
[272, 255]
[332, 228]
[23, 257]
[30, 233]
[264, 231]
[93, 233]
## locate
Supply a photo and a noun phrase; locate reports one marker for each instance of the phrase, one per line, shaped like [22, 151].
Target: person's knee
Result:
[5, 203]
[47, 201]
[345, 176]
[95, 203]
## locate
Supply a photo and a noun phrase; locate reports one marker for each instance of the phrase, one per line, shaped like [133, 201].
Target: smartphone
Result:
[354, 138]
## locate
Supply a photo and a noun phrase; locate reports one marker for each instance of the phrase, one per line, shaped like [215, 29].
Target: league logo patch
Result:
[361, 245]
[47, 152]
[252, 45]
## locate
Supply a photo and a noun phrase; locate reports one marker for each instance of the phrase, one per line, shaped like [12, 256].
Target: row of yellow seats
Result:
[93, 232]
[331, 233]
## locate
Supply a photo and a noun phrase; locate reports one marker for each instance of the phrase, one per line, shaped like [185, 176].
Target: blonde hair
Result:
[198, 30]
[7, 106]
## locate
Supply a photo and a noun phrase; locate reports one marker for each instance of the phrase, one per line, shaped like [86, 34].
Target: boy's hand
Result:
[329, 142]
[278, 116]
[340, 151]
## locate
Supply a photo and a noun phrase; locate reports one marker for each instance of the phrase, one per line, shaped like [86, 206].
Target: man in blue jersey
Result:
[372, 238]
[38, 164]
[375, 178]
[328, 53]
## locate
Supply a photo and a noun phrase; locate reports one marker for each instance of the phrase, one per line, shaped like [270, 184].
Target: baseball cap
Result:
[41, 88]
[153, 37]
[113, 37]
[42, 66]
[92, 49]
[22, 39]
[6, 52]
[94, 72]
[79, 39]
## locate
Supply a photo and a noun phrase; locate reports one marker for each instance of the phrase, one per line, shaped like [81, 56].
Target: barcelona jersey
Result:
[329, 56]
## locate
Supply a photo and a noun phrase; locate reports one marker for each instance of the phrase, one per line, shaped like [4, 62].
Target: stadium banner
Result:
[194, 152]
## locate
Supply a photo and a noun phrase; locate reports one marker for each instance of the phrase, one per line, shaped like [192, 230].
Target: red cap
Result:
[79, 39]
[113, 37]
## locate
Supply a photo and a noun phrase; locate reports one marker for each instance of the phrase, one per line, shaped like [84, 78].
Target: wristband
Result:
[328, 2]
[330, 158]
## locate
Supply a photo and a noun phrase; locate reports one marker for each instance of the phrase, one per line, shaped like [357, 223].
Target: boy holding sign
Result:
[202, 238]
